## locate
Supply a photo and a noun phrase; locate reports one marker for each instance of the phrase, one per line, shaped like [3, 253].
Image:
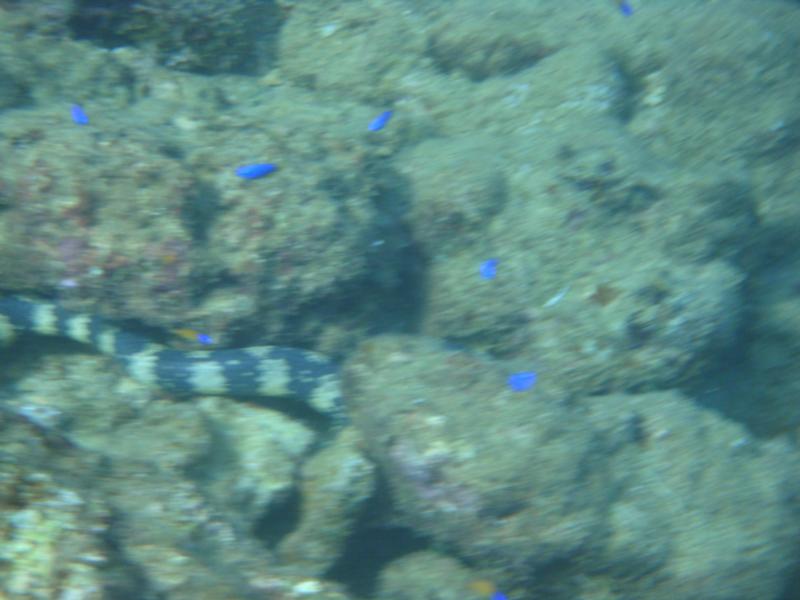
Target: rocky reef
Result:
[630, 175]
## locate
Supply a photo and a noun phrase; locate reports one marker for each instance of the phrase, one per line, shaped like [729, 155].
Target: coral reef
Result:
[633, 178]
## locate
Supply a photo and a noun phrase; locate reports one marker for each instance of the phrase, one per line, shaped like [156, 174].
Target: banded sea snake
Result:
[263, 371]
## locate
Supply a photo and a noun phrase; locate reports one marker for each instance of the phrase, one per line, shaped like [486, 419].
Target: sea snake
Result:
[258, 371]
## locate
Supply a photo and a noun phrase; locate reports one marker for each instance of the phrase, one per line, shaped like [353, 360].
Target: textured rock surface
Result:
[426, 574]
[644, 490]
[335, 484]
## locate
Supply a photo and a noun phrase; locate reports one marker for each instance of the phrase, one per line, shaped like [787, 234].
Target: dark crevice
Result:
[279, 521]
[373, 545]
[367, 553]
[101, 21]
[629, 94]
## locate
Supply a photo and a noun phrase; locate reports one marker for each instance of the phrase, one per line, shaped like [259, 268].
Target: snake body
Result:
[266, 371]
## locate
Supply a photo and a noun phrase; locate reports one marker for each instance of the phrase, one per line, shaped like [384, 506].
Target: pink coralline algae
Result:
[425, 475]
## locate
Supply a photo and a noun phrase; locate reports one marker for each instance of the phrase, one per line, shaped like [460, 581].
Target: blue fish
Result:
[522, 381]
[193, 335]
[498, 596]
[380, 121]
[205, 339]
[256, 170]
[488, 268]
[625, 8]
[79, 116]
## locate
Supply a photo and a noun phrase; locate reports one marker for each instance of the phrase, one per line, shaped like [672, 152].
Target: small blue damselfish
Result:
[488, 268]
[79, 116]
[205, 339]
[256, 170]
[522, 381]
[380, 121]
[625, 8]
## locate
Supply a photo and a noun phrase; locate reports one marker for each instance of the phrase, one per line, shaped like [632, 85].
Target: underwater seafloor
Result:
[554, 246]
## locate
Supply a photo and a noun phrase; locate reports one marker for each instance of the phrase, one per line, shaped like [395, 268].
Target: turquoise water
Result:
[551, 247]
